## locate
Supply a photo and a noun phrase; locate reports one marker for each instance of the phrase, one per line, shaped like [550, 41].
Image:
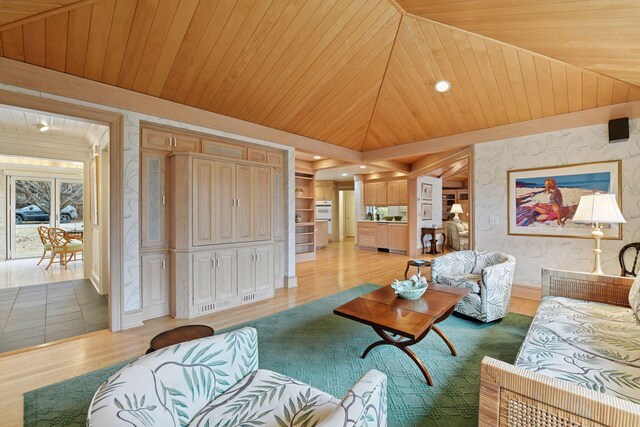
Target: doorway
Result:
[346, 214]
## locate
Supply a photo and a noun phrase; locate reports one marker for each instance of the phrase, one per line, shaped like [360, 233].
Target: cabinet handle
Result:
[213, 263]
[217, 262]
[164, 199]
[164, 264]
[237, 203]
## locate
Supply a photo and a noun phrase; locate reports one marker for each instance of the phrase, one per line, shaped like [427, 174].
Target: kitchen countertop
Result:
[382, 221]
[322, 220]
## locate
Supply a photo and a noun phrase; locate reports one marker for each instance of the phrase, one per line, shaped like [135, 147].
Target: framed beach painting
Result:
[427, 191]
[427, 212]
[542, 202]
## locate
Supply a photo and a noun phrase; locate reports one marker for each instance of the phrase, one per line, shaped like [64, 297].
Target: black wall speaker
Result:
[619, 130]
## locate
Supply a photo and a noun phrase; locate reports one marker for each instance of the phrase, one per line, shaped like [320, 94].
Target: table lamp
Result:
[456, 208]
[598, 209]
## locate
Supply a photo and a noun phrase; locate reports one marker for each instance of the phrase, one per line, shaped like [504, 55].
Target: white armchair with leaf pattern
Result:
[215, 381]
[488, 275]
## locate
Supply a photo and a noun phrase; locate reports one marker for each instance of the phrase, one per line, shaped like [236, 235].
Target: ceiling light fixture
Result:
[442, 86]
[363, 167]
[345, 174]
[317, 157]
[42, 127]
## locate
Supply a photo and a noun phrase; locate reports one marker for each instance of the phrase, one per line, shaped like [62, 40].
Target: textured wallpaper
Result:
[580, 145]
[131, 166]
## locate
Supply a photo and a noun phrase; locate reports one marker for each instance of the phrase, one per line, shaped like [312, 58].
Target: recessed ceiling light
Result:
[363, 167]
[42, 127]
[443, 86]
[317, 157]
[345, 174]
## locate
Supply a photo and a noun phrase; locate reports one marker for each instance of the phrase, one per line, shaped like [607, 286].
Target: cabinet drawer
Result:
[367, 240]
[257, 155]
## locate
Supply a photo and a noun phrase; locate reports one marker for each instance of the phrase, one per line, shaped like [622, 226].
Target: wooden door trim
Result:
[118, 319]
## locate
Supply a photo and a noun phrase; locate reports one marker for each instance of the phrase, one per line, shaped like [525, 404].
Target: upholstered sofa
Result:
[215, 381]
[579, 364]
[488, 275]
[457, 235]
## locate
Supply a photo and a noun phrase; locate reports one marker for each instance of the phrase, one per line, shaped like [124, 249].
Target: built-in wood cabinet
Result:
[154, 279]
[449, 198]
[385, 193]
[382, 235]
[212, 221]
[324, 190]
[305, 216]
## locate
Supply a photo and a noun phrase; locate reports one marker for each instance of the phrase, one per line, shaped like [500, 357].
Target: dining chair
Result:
[63, 245]
[44, 238]
[626, 254]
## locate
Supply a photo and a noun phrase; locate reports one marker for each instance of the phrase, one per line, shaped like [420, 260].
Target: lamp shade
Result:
[601, 208]
[456, 208]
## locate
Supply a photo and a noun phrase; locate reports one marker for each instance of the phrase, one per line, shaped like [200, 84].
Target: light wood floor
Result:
[336, 268]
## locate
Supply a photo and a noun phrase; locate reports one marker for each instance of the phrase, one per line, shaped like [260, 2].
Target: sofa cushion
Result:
[468, 281]
[634, 297]
[267, 398]
[590, 344]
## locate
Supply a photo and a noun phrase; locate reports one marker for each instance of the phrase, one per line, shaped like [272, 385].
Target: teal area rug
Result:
[312, 344]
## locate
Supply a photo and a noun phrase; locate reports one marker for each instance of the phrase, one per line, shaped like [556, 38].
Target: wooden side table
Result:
[419, 263]
[178, 335]
[433, 231]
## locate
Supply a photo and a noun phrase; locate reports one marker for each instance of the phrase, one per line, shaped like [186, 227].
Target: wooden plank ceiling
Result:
[599, 35]
[355, 73]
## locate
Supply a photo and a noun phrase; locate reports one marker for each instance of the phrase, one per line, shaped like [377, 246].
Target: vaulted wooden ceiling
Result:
[355, 73]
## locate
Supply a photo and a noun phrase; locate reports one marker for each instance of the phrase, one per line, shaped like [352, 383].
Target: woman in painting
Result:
[553, 210]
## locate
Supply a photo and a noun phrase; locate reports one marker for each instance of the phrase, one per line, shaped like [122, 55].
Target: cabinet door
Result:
[370, 194]
[398, 237]
[225, 272]
[276, 159]
[381, 193]
[382, 237]
[278, 262]
[224, 149]
[155, 291]
[204, 202]
[156, 139]
[186, 143]
[244, 214]
[263, 263]
[403, 199]
[245, 271]
[203, 280]
[225, 209]
[261, 202]
[278, 204]
[153, 210]
[393, 193]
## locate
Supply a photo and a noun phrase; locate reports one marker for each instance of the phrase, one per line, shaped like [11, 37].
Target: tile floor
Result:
[23, 272]
[43, 313]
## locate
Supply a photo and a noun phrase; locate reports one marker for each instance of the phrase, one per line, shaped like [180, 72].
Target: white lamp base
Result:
[456, 218]
[597, 234]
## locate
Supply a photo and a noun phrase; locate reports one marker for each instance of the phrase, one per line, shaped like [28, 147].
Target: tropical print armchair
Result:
[215, 381]
[488, 275]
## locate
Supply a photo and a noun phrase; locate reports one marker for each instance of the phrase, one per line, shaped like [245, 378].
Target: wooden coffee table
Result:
[401, 322]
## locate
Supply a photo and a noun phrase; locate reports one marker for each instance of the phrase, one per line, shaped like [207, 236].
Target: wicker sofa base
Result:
[514, 396]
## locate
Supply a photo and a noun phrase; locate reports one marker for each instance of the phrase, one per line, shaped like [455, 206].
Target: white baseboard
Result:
[290, 281]
[95, 281]
[132, 319]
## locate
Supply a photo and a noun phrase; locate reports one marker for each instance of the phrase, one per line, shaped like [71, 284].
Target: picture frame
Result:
[542, 201]
[426, 191]
[426, 211]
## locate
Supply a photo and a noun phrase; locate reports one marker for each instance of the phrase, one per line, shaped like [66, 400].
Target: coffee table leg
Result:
[401, 345]
[445, 339]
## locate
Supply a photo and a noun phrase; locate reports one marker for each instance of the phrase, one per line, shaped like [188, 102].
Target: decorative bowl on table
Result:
[412, 288]
[388, 218]
[398, 218]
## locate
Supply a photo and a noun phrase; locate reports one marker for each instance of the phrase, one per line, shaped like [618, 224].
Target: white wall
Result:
[131, 164]
[436, 208]
[571, 146]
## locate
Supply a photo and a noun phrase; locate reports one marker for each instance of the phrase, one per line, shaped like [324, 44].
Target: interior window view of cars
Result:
[35, 213]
